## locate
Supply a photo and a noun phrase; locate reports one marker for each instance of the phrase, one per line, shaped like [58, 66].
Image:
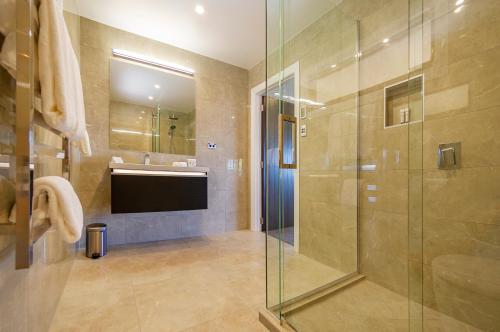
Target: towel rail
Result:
[27, 115]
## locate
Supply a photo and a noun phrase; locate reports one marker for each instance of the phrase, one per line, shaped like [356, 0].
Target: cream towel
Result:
[55, 199]
[62, 94]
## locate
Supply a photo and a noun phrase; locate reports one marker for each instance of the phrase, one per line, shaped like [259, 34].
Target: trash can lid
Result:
[98, 227]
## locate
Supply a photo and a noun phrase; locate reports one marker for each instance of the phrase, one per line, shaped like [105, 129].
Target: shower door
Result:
[315, 121]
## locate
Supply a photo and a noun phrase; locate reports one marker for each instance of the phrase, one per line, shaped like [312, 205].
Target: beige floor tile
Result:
[104, 310]
[216, 281]
[243, 321]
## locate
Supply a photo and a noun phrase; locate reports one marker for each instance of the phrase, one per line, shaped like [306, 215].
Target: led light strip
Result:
[166, 173]
[125, 131]
[152, 62]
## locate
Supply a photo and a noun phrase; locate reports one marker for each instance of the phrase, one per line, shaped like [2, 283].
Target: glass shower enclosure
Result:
[391, 138]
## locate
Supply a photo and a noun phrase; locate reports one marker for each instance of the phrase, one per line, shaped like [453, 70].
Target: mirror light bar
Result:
[152, 61]
[167, 173]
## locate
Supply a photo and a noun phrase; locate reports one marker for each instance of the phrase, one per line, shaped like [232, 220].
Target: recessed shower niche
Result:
[397, 100]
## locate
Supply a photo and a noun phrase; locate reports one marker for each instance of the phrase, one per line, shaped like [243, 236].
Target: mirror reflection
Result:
[151, 109]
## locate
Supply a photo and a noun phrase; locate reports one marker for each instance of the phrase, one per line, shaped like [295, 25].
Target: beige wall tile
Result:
[221, 117]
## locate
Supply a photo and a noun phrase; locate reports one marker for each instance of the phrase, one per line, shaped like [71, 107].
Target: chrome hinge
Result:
[261, 221]
[261, 108]
[262, 164]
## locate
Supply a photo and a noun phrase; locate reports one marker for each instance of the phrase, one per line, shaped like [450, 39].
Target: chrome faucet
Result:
[147, 159]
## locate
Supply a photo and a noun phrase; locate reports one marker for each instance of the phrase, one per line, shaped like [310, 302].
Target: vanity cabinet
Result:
[158, 188]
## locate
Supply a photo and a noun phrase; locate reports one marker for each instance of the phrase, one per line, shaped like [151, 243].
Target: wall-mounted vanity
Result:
[139, 188]
[152, 109]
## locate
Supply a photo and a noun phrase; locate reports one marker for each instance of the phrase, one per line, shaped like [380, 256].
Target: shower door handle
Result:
[287, 144]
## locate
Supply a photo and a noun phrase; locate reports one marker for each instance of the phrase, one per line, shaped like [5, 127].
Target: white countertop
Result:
[168, 168]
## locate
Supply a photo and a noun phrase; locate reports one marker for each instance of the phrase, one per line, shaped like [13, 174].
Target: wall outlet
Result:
[212, 146]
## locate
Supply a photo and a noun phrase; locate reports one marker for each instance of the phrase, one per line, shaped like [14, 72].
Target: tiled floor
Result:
[201, 284]
[366, 306]
[300, 273]
[218, 284]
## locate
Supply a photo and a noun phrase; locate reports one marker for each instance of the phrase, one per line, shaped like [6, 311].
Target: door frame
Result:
[255, 149]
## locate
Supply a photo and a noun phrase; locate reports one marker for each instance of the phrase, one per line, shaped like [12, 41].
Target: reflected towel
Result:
[8, 54]
[55, 199]
[8, 30]
[7, 16]
[7, 199]
[62, 94]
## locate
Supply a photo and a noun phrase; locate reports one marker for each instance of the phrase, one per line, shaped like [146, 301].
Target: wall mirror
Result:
[152, 107]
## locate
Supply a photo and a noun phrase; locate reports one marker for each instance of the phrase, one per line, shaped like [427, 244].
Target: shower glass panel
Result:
[274, 88]
[398, 175]
[312, 142]
[461, 211]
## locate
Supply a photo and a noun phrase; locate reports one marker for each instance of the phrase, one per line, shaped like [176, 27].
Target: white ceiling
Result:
[133, 83]
[232, 31]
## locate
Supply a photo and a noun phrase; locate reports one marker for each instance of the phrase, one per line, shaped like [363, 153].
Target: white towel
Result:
[55, 199]
[62, 94]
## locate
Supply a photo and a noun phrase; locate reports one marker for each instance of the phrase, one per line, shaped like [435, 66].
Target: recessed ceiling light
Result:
[333, 66]
[157, 86]
[385, 41]
[150, 98]
[459, 9]
[459, 2]
[199, 9]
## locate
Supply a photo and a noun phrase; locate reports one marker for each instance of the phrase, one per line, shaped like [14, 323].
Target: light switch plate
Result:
[303, 130]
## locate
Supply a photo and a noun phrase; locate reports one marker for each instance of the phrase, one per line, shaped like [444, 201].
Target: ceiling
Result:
[232, 31]
[143, 85]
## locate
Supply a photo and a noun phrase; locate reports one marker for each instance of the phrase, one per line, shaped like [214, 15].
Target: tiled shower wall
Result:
[221, 117]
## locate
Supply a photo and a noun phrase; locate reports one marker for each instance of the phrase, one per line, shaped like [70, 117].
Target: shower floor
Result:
[204, 284]
[300, 273]
[366, 306]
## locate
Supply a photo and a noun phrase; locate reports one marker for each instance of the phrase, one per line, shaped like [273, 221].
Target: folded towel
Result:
[55, 199]
[62, 94]
[7, 199]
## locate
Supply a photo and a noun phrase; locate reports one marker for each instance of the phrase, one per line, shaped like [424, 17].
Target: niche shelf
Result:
[403, 102]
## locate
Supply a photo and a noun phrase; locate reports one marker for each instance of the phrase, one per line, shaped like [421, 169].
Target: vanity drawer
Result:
[151, 193]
